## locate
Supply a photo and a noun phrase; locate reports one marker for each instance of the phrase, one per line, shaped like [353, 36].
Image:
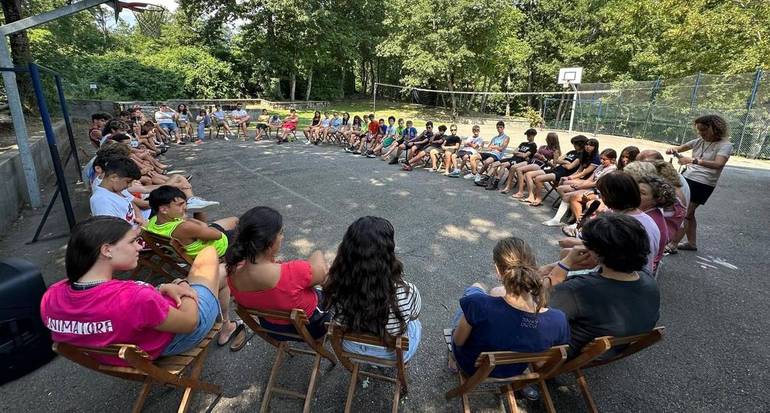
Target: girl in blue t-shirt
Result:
[511, 317]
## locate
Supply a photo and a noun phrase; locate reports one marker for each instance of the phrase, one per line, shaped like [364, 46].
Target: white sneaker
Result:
[307, 142]
[553, 223]
[195, 203]
[469, 176]
[226, 138]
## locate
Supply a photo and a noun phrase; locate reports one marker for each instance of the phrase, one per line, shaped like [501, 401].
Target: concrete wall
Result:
[13, 187]
[83, 109]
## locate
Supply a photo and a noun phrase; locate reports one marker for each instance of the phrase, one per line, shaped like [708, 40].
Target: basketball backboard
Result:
[570, 76]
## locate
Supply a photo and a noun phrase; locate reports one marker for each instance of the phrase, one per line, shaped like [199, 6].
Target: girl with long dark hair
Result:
[366, 290]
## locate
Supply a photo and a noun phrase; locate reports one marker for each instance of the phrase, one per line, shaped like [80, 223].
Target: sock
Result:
[563, 208]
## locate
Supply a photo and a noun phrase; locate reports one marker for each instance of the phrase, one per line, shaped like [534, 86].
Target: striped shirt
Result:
[409, 304]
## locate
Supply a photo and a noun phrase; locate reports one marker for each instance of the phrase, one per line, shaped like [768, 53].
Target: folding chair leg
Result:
[195, 373]
[139, 403]
[311, 387]
[510, 398]
[464, 397]
[271, 381]
[583, 385]
[352, 388]
[549, 407]
[396, 398]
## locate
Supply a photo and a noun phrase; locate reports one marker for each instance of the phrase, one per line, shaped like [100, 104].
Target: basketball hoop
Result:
[149, 17]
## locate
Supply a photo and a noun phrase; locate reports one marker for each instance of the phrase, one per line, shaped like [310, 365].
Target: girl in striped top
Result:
[366, 291]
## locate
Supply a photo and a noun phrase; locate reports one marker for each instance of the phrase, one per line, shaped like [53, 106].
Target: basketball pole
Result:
[574, 103]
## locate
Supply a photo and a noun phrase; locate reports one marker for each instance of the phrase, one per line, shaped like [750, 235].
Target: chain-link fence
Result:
[663, 110]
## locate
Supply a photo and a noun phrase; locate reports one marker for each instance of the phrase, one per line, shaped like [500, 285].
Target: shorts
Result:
[699, 193]
[461, 153]
[168, 126]
[316, 326]
[229, 234]
[208, 310]
[485, 155]
[431, 148]
[513, 160]
[413, 332]
[560, 173]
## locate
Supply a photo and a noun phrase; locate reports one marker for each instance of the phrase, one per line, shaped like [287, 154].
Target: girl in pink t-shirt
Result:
[91, 309]
[257, 281]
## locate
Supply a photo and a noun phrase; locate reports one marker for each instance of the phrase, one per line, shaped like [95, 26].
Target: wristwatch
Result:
[695, 161]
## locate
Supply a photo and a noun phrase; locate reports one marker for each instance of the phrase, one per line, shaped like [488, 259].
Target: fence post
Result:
[749, 105]
[653, 96]
[693, 103]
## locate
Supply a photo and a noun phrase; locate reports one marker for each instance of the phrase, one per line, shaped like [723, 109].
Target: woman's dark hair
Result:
[101, 116]
[316, 115]
[391, 117]
[518, 270]
[585, 156]
[715, 122]
[113, 125]
[620, 241]
[364, 277]
[500, 123]
[180, 110]
[256, 232]
[579, 141]
[619, 191]
[86, 241]
[357, 120]
[163, 195]
[631, 152]
[552, 141]
[610, 154]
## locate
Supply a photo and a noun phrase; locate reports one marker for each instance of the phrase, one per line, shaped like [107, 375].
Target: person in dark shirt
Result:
[618, 298]
[562, 167]
[415, 145]
[520, 157]
[450, 147]
[434, 144]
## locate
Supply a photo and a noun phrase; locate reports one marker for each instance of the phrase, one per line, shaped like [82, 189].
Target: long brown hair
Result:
[518, 270]
[552, 141]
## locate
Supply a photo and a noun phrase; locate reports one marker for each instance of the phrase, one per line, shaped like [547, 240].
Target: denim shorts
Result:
[169, 126]
[208, 310]
[459, 313]
[413, 332]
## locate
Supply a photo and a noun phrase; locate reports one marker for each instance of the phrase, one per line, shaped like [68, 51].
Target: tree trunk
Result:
[309, 85]
[20, 52]
[292, 85]
[484, 97]
[342, 83]
[530, 76]
[372, 78]
[451, 85]
[364, 82]
[508, 97]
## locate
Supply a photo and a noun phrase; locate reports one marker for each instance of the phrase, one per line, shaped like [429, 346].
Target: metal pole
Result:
[653, 96]
[19, 126]
[574, 103]
[65, 112]
[374, 100]
[50, 136]
[693, 104]
[749, 105]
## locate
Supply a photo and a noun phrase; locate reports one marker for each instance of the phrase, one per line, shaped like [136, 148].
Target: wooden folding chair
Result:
[165, 371]
[353, 361]
[547, 363]
[299, 320]
[164, 256]
[599, 352]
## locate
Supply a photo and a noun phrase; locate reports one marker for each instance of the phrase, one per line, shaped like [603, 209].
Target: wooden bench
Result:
[353, 361]
[540, 366]
[299, 321]
[165, 371]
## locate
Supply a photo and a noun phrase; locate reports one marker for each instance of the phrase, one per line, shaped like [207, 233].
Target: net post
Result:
[749, 106]
[574, 103]
[374, 99]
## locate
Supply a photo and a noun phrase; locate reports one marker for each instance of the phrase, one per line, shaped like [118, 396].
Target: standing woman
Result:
[366, 291]
[710, 153]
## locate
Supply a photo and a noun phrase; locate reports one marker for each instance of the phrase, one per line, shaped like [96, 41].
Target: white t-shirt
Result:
[708, 151]
[478, 141]
[653, 233]
[164, 117]
[239, 114]
[106, 202]
[685, 191]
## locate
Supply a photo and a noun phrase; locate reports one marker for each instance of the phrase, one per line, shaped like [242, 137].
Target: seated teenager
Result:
[166, 119]
[470, 147]
[288, 126]
[258, 281]
[98, 122]
[493, 152]
[168, 218]
[376, 139]
[353, 134]
[617, 299]
[366, 291]
[110, 197]
[322, 129]
[583, 191]
[542, 160]
[389, 152]
[411, 147]
[391, 134]
[408, 136]
[512, 317]
[627, 155]
[656, 195]
[164, 321]
[520, 157]
[241, 119]
[564, 166]
[262, 125]
[432, 146]
[367, 142]
[184, 120]
[221, 117]
[449, 149]
[335, 127]
[589, 161]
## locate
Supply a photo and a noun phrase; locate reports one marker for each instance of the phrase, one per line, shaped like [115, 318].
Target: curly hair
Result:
[619, 241]
[364, 278]
[663, 193]
[717, 124]
[255, 233]
[667, 172]
[638, 169]
[518, 270]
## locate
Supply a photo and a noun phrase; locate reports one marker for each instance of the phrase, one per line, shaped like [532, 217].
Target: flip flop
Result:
[532, 204]
[522, 200]
[238, 328]
[686, 247]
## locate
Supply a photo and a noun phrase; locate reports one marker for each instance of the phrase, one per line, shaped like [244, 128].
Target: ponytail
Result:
[518, 268]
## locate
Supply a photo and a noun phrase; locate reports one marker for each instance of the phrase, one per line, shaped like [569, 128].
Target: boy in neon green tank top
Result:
[169, 219]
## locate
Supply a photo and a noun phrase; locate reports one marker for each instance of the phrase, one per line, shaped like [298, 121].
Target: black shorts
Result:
[699, 193]
[461, 153]
[262, 126]
[513, 160]
[560, 173]
[485, 155]
[229, 234]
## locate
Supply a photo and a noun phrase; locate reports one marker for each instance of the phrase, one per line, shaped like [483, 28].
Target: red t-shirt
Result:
[114, 312]
[374, 127]
[294, 290]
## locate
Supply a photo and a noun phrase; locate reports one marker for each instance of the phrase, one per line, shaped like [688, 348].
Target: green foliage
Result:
[532, 116]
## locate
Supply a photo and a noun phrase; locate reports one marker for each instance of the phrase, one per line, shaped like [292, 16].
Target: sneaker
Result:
[356, 153]
[454, 174]
[493, 184]
[530, 393]
[226, 138]
[348, 150]
[553, 223]
[307, 142]
[371, 155]
[469, 176]
[196, 203]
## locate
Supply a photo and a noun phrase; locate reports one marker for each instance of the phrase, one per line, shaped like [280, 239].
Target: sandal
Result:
[686, 246]
[239, 327]
[533, 204]
[670, 250]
